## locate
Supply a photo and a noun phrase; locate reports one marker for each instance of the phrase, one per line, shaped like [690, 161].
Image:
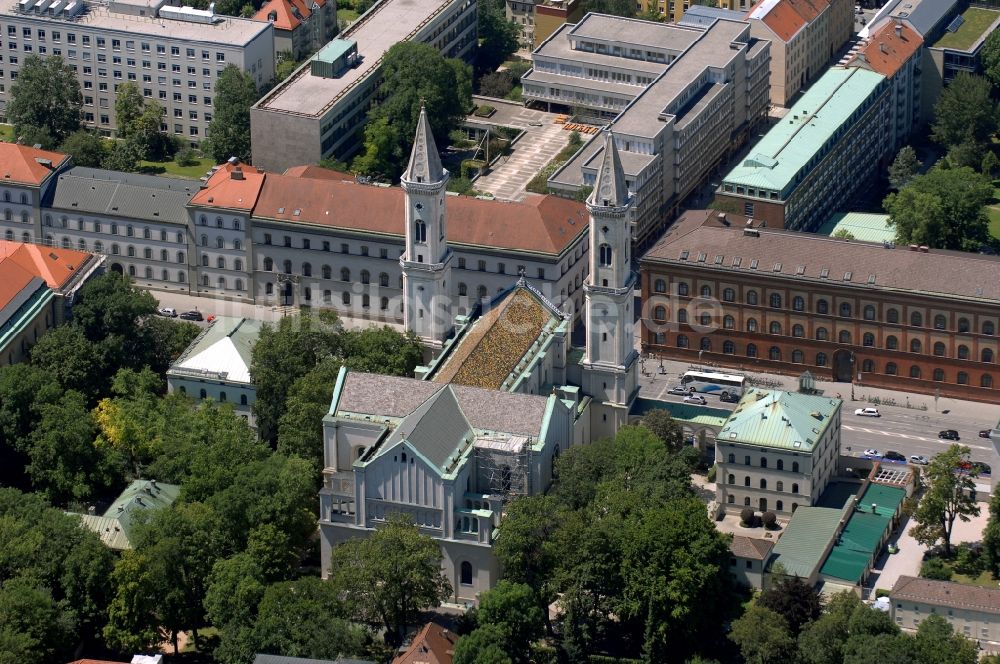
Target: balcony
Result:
[338, 483]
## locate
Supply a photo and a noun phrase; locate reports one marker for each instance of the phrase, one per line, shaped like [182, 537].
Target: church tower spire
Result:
[426, 261]
[610, 360]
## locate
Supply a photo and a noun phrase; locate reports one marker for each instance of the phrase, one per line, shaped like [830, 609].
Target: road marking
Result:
[894, 434]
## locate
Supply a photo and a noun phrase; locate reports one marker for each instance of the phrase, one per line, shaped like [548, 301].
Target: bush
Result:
[518, 68]
[934, 568]
[746, 517]
[882, 592]
[968, 561]
[496, 84]
[769, 519]
[485, 111]
[186, 157]
[711, 473]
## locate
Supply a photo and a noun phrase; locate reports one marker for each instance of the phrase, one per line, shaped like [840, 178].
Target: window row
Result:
[779, 505]
[345, 247]
[779, 464]
[112, 229]
[798, 303]
[221, 283]
[326, 272]
[220, 262]
[346, 298]
[23, 197]
[220, 243]
[219, 223]
[778, 486]
[203, 394]
[164, 274]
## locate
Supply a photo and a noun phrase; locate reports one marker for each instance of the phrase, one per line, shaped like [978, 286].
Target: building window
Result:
[605, 255]
[775, 327]
[986, 355]
[892, 343]
[345, 298]
[869, 312]
[820, 359]
[659, 312]
[706, 344]
[988, 328]
[868, 339]
[307, 270]
[916, 319]
[822, 334]
[963, 378]
[845, 309]
[963, 352]
[940, 322]
[939, 348]
[682, 341]
[660, 286]
[775, 301]
[939, 375]
[728, 295]
[798, 303]
[383, 280]
[986, 381]
[751, 350]
[728, 322]
[914, 371]
[682, 289]
[795, 487]
[892, 315]
[269, 289]
[915, 345]
[774, 353]
[751, 325]
[798, 357]
[345, 274]
[728, 347]
[822, 307]
[752, 297]
[268, 265]
[798, 330]
[845, 337]
[366, 277]
[706, 291]
[890, 369]
[746, 481]
[466, 574]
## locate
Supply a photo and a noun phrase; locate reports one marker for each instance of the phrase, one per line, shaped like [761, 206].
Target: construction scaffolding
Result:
[503, 467]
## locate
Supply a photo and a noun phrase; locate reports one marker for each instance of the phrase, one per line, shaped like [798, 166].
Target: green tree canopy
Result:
[943, 209]
[86, 147]
[46, 96]
[937, 643]
[991, 536]
[965, 112]
[30, 615]
[412, 73]
[663, 426]
[793, 599]
[948, 497]
[514, 609]
[904, 167]
[763, 637]
[390, 576]
[300, 428]
[990, 56]
[129, 105]
[498, 38]
[229, 130]
[485, 645]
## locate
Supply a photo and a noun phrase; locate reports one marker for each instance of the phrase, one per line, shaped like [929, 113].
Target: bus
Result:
[725, 385]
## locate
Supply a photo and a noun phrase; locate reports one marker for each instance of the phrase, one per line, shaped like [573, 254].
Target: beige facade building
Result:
[777, 452]
[172, 54]
[679, 98]
[319, 110]
[749, 560]
[972, 611]
[805, 35]
[301, 27]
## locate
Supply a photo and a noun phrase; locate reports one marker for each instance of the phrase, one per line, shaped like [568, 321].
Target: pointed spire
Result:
[610, 189]
[425, 163]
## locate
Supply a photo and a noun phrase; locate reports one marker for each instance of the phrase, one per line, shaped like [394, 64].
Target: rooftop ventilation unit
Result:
[189, 14]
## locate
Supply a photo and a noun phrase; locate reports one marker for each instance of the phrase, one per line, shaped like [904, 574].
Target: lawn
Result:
[977, 22]
[985, 580]
[994, 215]
[171, 168]
[348, 15]
[6, 133]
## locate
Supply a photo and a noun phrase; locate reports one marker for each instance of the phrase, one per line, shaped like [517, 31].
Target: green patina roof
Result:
[789, 146]
[682, 412]
[975, 25]
[859, 542]
[114, 527]
[335, 48]
[863, 226]
[800, 548]
[784, 420]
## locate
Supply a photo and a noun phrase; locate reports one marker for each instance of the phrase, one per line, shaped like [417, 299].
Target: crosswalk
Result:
[908, 436]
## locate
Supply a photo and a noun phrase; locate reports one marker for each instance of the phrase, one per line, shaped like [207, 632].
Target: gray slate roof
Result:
[147, 197]
[436, 429]
[485, 410]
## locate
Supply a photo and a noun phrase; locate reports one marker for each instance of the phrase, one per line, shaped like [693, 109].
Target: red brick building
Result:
[904, 318]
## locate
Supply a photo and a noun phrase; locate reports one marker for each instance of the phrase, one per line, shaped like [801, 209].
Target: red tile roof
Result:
[544, 224]
[433, 645]
[56, 266]
[287, 15]
[787, 17]
[232, 186]
[750, 547]
[19, 163]
[318, 173]
[13, 279]
[885, 52]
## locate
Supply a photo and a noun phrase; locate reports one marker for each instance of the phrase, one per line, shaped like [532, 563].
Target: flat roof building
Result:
[818, 156]
[173, 54]
[314, 114]
[679, 99]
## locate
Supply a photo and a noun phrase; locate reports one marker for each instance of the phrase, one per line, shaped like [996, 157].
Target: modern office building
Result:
[319, 110]
[301, 27]
[777, 451]
[805, 35]
[538, 19]
[173, 54]
[831, 144]
[957, 48]
[906, 318]
[680, 100]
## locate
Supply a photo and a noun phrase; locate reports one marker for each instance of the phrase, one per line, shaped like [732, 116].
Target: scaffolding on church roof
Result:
[503, 465]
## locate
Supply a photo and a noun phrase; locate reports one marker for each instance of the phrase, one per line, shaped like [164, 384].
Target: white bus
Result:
[725, 385]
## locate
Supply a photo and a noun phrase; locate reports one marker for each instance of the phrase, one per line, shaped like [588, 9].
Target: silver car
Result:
[919, 459]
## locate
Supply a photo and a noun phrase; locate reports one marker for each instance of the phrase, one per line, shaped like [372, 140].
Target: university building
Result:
[172, 54]
[680, 99]
[319, 110]
[300, 27]
[725, 290]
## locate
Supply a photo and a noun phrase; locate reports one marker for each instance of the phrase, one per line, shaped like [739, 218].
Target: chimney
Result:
[91, 510]
[874, 506]
[899, 30]
[237, 173]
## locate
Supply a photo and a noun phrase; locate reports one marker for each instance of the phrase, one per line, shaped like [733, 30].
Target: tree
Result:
[904, 167]
[934, 568]
[990, 55]
[793, 599]
[123, 156]
[282, 354]
[413, 74]
[763, 637]
[937, 643]
[485, 645]
[129, 424]
[300, 428]
[72, 359]
[498, 38]
[110, 310]
[943, 209]
[381, 350]
[514, 609]
[46, 96]
[390, 576]
[663, 426]
[129, 106]
[991, 536]
[891, 648]
[496, 84]
[965, 111]
[145, 135]
[44, 630]
[614, 7]
[843, 234]
[948, 497]
[86, 147]
[132, 620]
[229, 130]
[989, 164]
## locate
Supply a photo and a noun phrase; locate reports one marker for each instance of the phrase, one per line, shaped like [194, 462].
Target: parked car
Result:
[982, 468]
[696, 398]
[192, 315]
[872, 452]
[729, 398]
[985, 433]
[679, 390]
[868, 412]
[919, 459]
[169, 312]
[894, 456]
[948, 434]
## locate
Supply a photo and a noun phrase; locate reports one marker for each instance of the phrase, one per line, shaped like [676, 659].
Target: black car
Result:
[894, 456]
[729, 398]
[982, 468]
[985, 433]
[191, 315]
[948, 434]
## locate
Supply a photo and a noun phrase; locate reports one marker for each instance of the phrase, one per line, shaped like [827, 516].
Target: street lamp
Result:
[852, 376]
